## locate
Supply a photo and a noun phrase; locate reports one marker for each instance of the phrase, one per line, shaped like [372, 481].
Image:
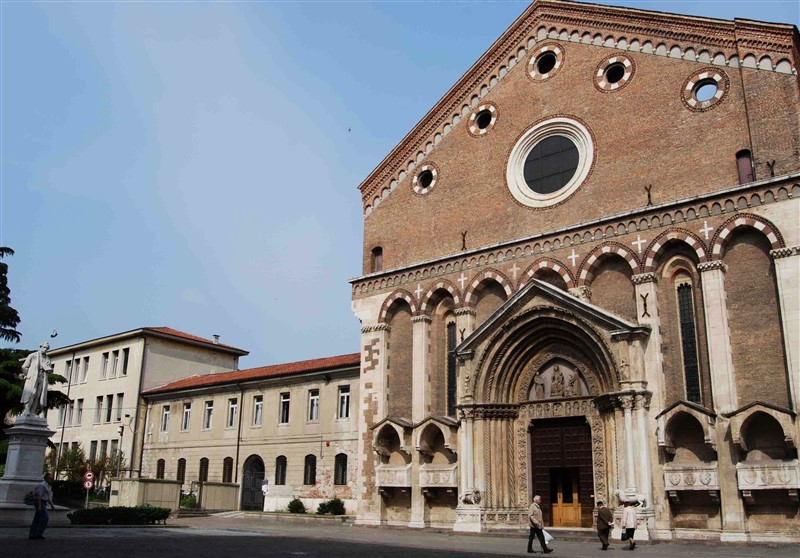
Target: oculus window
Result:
[549, 162]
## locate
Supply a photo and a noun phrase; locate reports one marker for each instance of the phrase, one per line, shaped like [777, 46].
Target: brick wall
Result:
[399, 384]
[612, 288]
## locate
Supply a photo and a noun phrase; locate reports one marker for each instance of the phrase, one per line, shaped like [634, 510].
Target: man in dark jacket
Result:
[604, 521]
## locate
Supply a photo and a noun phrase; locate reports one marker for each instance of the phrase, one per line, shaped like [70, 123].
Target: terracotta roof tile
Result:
[250, 374]
[183, 334]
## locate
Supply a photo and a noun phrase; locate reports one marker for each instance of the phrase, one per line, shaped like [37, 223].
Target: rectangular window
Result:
[93, 450]
[125, 355]
[104, 367]
[70, 412]
[120, 399]
[114, 364]
[258, 409]
[109, 407]
[85, 373]
[165, 418]
[61, 415]
[207, 416]
[68, 370]
[344, 402]
[187, 411]
[79, 412]
[313, 405]
[233, 410]
[75, 372]
[74, 447]
[103, 448]
[98, 409]
[114, 447]
[283, 417]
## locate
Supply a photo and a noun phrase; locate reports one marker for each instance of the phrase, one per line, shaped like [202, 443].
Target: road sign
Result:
[88, 485]
[88, 475]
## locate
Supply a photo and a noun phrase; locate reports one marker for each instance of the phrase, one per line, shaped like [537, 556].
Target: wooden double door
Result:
[561, 470]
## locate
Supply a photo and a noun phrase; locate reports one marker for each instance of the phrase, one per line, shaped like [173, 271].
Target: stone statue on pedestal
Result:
[34, 394]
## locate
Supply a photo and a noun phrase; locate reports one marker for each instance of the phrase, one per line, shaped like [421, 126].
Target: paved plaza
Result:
[251, 535]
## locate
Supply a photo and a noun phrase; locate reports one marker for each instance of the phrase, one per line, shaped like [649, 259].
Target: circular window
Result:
[613, 73]
[549, 162]
[545, 61]
[705, 89]
[482, 119]
[425, 179]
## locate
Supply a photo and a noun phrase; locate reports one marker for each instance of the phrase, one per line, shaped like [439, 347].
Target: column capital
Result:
[582, 293]
[785, 252]
[375, 327]
[465, 311]
[643, 278]
[710, 266]
[421, 319]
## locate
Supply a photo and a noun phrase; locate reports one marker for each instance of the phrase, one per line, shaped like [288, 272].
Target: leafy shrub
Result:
[296, 506]
[189, 501]
[120, 515]
[333, 507]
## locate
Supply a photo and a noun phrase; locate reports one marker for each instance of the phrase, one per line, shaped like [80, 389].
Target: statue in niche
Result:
[571, 389]
[538, 386]
[557, 383]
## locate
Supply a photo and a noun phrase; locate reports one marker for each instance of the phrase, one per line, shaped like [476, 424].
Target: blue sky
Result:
[195, 165]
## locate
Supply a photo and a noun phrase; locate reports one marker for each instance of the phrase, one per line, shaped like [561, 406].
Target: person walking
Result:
[604, 521]
[537, 525]
[43, 495]
[629, 524]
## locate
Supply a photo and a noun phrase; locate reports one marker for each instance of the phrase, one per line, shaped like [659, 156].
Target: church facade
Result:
[582, 280]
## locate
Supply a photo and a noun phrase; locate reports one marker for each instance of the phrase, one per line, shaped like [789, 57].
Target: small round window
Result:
[613, 73]
[425, 179]
[545, 61]
[705, 89]
[549, 162]
[482, 119]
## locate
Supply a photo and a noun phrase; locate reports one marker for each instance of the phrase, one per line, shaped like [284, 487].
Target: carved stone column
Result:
[421, 387]
[468, 511]
[787, 275]
[720, 359]
[641, 404]
[630, 457]
[647, 314]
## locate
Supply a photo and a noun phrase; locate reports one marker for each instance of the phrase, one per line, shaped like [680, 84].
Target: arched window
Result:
[688, 338]
[310, 470]
[340, 469]
[451, 369]
[280, 470]
[203, 470]
[744, 164]
[376, 259]
[181, 474]
[160, 469]
[227, 469]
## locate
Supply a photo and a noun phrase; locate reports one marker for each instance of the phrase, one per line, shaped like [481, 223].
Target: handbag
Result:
[29, 499]
[625, 535]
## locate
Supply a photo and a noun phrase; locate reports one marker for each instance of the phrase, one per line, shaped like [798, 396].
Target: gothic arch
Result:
[547, 263]
[399, 294]
[592, 261]
[444, 284]
[745, 220]
[483, 277]
[539, 332]
[687, 237]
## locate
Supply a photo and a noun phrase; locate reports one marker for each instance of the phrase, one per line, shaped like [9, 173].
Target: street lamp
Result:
[120, 431]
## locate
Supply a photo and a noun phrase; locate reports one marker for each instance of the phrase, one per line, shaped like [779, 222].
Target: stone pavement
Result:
[245, 535]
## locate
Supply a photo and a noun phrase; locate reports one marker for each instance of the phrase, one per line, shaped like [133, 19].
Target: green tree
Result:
[9, 318]
[72, 463]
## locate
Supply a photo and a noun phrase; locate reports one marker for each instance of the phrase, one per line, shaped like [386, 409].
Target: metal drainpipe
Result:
[746, 112]
[239, 434]
[143, 429]
[64, 422]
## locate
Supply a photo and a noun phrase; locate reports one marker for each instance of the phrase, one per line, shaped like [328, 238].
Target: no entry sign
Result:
[88, 476]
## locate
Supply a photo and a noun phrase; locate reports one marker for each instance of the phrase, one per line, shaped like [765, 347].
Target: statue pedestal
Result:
[27, 444]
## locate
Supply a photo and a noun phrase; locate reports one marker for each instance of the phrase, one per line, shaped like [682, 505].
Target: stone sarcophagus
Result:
[679, 477]
[768, 475]
[438, 476]
[395, 476]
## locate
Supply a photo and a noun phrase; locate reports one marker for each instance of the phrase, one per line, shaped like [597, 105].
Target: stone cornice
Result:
[376, 327]
[643, 278]
[465, 311]
[785, 252]
[711, 266]
[421, 319]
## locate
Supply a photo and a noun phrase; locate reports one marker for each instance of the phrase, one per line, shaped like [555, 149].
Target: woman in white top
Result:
[629, 523]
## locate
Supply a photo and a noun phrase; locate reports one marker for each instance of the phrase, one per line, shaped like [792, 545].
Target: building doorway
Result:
[561, 470]
[252, 479]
